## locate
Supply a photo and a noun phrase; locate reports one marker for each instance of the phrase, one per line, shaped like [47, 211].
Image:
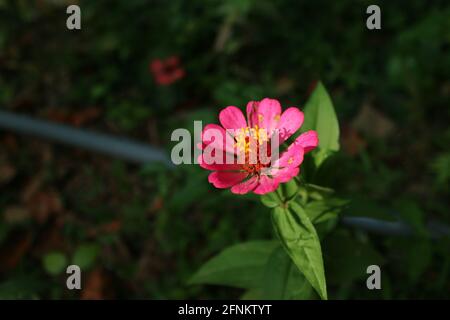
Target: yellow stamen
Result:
[244, 136]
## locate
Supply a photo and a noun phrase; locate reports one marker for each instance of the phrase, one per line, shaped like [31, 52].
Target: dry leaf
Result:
[110, 227]
[373, 123]
[352, 142]
[44, 204]
[50, 239]
[158, 204]
[84, 116]
[284, 85]
[13, 250]
[32, 186]
[10, 142]
[77, 119]
[7, 172]
[96, 286]
[16, 214]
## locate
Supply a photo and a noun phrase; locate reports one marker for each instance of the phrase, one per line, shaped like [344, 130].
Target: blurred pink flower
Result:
[168, 71]
[241, 138]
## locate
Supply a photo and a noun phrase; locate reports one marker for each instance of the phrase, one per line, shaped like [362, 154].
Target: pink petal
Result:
[218, 138]
[290, 121]
[286, 174]
[252, 113]
[226, 179]
[268, 114]
[292, 157]
[266, 185]
[308, 140]
[232, 118]
[217, 166]
[245, 186]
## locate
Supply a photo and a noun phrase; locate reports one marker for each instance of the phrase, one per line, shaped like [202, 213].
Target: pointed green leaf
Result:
[323, 210]
[271, 200]
[54, 262]
[282, 279]
[238, 266]
[289, 189]
[251, 294]
[321, 117]
[300, 239]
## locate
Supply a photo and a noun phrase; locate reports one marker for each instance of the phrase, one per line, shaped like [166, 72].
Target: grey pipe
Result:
[436, 230]
[378, 226]
[115, 146]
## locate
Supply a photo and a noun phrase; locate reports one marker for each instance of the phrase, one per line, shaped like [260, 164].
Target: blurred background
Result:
[140, 69]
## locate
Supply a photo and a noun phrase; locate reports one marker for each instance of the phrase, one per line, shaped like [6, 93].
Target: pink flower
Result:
[167, 71]
[239, 144]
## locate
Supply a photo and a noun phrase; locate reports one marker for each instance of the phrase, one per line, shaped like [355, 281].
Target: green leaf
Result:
[347, 258]
[414, 255]
[193, 192]
[282, 279]
[322, 191]
[29, 285]
[300, 239]
[271, 200]
[289, 190]
[85, 255]
[54, 262]
[419, 258]
[238, 266]
[320, 116]
[360, 206]
[323, 210]
[441, 168]
[252, 294]
[411, 213]
[286, 192]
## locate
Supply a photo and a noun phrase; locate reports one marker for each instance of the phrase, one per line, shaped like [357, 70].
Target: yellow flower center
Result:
[245, 137]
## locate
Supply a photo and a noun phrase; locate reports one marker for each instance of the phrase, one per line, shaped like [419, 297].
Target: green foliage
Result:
[321, 117]
[441, 168]
[418, 258]
[347, 258]
[288, 191]
[411, 213]
[361, 206]
[322, 210]
[300, 240]
[23, 286]
[126, 117]
[85, 255]
[271, 199]
[282, 279]
[54, 262]
[261, 267]
[238, 266]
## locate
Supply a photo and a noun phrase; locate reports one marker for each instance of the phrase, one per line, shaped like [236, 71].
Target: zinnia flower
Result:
[167, 71]
[242, 141]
